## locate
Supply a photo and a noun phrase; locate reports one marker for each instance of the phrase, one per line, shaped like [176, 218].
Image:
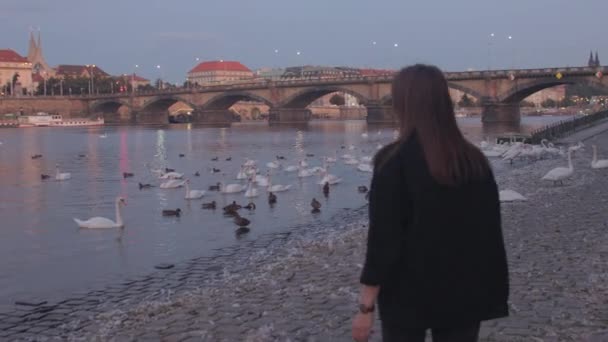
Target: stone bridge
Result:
[499, 92]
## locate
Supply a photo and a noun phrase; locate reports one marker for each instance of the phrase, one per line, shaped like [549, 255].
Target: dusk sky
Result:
[454, 34]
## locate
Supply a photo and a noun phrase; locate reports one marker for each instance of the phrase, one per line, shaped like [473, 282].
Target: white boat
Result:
[42, 119]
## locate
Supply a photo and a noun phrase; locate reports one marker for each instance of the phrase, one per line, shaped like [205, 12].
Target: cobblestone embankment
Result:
[302, 286]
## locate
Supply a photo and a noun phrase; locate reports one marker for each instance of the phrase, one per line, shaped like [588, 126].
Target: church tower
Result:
[597, 60]
[591, 62]
[35, 56]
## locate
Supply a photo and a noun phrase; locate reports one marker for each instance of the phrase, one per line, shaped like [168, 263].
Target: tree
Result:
[526, 104]
[337, 100]
[548, 103]
[466, 101]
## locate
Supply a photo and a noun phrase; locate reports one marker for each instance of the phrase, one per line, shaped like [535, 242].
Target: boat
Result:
[42, 119]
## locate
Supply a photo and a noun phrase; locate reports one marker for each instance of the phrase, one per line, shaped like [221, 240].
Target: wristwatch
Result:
[364, 309]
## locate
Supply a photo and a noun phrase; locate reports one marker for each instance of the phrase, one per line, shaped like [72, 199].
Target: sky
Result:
[453, 34]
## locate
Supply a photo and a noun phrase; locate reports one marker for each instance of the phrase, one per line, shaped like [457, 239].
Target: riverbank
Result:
[303, 285]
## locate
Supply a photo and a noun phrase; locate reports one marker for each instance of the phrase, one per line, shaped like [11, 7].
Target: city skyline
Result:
[468, 34]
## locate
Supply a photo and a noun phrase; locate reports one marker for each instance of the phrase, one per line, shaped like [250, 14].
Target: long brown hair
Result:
[422, 105]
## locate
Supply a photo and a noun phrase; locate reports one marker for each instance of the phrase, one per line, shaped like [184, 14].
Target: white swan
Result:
[598, 164]
[348, 156]
[273, 165]
[102, 222]
[364, 135]
[510, 196]
[251, 190]
[61, 176]
[103, 136]
[352, 161]
[261, 180]
[513, 152]
[242, 173]
[576, 147]
[277, 187]
[329, 178]
[366, 159]
[172, 184]
[193, 194]
[558, 174]
[291, 168]
[249, 163]
[331, 159]
[365, 168]
[172, 175]
[231, 188]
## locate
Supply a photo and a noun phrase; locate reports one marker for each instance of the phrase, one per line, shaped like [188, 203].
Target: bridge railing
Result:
[566, 127]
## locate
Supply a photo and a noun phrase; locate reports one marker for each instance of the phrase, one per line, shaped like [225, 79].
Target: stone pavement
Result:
[302, 286]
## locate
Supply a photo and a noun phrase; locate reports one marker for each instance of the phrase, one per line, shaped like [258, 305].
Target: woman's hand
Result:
[362, 326]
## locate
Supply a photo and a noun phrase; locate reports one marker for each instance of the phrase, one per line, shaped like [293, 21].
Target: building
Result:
[557, 94]
[218, 71]
[136, 80]
[36, 57]
[14, 67]
[76, 71]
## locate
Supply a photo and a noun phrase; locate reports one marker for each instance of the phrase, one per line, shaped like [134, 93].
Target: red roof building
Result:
[75, 71]
[218, 71]
[14, 66]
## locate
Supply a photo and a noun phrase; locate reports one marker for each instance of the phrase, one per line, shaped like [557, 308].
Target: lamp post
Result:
[160, 78]
[298, 53]
[510, 39]
[44, 77]
[490, 37]
[133, 79]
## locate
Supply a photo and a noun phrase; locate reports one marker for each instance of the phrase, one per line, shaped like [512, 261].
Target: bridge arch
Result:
[112, 110]
[162, 103]
[387, 100]
[228, 99]
[306, 96]
[519, 92]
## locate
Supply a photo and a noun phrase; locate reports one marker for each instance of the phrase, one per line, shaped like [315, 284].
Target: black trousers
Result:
[399, 334]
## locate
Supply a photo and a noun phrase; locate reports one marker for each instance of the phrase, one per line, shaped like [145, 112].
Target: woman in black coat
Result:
[435, 251]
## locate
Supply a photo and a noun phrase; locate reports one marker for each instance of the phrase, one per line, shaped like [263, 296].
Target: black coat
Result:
[437, 252]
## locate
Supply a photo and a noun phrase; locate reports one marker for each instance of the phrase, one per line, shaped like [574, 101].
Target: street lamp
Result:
[490, 51]
[160, 78]
[133, 79]
[298, 53]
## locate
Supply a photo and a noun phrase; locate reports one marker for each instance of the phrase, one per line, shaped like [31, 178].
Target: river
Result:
[45, 256]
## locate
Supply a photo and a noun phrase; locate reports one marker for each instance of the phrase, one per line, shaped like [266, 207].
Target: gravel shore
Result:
[303, 285]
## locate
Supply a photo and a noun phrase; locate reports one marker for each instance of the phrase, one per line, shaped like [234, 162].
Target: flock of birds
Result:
[251, 181]
[511, 151]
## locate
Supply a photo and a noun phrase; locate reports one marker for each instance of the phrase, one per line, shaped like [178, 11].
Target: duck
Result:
[362, 189]
[61, 176]
[214, 159]
[509, 195]
[598, 164]
[216, 187]
[214, 170]
[197, 174]
[558, 174]
[172, 184]
[250, 206]
[181, 155]
[127, 174]
[242, 230]
[280, 157]
[102, 222]
[193, 194]
[82, 155]
[167, 170]
[241, 221]
[326, 189]
[316, 205]
[170, 212]
[144, 186]
[272, 198]
[43, 176]
[251, 190]
[37, 156]
[232, 207]
[209, 205]
[229, 159]
[310, 155]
